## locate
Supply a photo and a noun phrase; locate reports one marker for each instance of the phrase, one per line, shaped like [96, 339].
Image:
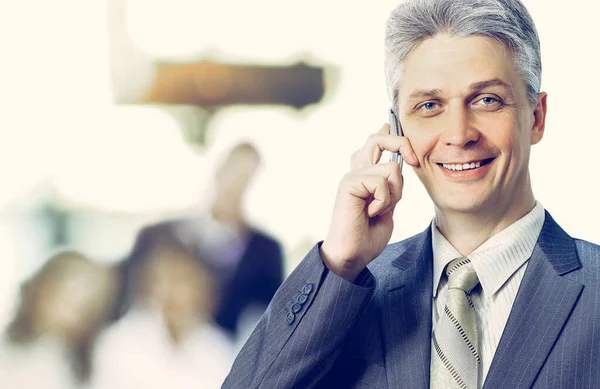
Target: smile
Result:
[465, 166]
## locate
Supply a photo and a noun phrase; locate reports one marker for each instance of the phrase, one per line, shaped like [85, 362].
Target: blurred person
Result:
[167, 338]
[61, 310]
[247, 263]
[493, 293]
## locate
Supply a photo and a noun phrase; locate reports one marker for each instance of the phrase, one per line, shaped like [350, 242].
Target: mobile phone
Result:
[395, 129]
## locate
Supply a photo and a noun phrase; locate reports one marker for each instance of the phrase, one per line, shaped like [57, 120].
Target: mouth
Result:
[466, 166]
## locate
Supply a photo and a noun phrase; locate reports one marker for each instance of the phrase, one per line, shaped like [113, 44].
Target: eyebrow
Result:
[421, 93]
[493, 82]
[476, 86]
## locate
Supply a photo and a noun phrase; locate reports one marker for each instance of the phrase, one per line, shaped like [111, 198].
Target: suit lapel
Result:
[406, 312]
[541, 309]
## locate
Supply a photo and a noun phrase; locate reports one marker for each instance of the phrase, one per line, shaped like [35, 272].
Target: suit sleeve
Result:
[298, 338]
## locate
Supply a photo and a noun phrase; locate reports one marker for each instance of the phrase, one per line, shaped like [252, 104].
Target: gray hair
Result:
[508, 21]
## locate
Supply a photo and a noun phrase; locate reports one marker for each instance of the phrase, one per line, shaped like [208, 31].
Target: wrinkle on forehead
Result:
[444, 57]
[497, 47]
[461, 53]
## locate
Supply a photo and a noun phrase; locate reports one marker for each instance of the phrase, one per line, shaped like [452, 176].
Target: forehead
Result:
[452, 64]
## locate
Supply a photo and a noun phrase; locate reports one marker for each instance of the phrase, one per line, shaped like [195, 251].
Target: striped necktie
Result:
[455, 357]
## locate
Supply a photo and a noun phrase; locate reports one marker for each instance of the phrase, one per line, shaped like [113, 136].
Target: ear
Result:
[539, 119]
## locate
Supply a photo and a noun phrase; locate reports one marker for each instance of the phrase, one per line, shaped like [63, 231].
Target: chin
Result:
[466, 204]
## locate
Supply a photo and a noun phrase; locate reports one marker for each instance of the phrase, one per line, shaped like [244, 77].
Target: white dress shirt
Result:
[500, 264]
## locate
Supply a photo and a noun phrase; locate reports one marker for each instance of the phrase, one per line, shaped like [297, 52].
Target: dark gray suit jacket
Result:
[321, 331]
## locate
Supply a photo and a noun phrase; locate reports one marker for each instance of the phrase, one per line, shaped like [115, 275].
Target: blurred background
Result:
[117, 115]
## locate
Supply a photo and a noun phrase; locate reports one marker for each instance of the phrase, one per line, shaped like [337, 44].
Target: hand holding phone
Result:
[362, 219]
[395, 129]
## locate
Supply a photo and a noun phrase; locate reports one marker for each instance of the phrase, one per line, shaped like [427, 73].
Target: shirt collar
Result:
[496, 259]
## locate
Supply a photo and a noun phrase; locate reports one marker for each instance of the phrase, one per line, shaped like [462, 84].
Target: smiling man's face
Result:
[465, 110]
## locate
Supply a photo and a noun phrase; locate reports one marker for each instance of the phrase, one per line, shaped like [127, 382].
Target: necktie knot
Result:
[461, 275]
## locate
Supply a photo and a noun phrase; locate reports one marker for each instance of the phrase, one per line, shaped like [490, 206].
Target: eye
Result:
[429, 106]
[488, 102]
[428, 109]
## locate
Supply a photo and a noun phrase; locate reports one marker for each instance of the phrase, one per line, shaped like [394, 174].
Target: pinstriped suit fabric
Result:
[378, 334]
[574, 362]
[559, 344]
[273, 358]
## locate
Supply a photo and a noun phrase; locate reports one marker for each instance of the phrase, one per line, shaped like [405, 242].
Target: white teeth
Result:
[464, 166]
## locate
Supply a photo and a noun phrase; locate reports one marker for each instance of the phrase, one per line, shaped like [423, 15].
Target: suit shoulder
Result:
[411, 246]
[588, 252]
[588, 273]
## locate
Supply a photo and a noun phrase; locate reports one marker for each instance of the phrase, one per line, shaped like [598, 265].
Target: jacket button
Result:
[296, 308]
[308, 288]
[302, 298]
[290, 318]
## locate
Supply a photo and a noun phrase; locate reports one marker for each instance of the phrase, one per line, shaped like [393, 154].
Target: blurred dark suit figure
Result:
[247, 263]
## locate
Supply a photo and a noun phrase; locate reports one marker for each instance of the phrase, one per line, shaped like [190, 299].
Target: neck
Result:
[468, 230]
[231, 214]
[180, 325]
[178, 328]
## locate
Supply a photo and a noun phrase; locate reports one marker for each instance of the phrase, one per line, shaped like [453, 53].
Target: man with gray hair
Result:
[494, 293]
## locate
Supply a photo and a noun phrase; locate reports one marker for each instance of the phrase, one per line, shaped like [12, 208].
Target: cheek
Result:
[513, 140]
[423, 145]
[505, 127]
[424, 136]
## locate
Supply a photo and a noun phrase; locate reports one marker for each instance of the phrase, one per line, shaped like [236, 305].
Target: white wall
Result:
[57, 122]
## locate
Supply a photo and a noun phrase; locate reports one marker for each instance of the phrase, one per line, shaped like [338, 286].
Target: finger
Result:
[395, 182]
[390, 171]
[393, 175]
[366, 152]
[406, 150]
[377, 143]
[373, 190]
[379, 185]
[371, 151]
[408, 153]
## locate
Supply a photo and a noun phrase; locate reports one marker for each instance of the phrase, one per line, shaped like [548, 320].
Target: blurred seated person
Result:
[62, 307]
[166, 339]
[246, 262]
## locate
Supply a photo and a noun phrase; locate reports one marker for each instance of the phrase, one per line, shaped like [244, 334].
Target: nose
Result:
[458, 128]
